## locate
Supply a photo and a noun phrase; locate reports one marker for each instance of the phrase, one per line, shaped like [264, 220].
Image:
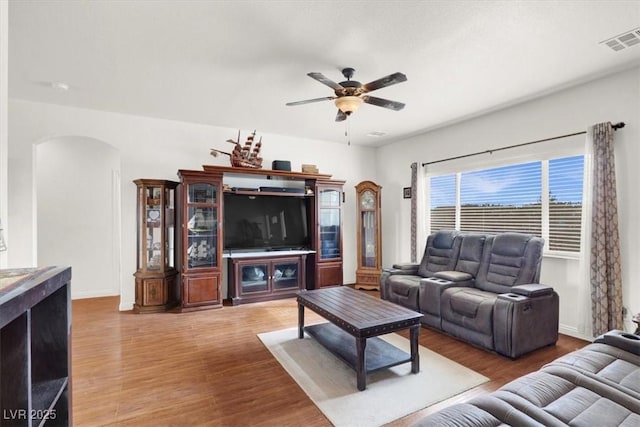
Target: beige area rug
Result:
[390, 394]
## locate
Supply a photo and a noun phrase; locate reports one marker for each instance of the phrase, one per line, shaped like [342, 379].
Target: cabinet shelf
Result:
[201, 232]
[266, 172]
[47, 393]
[269, 193]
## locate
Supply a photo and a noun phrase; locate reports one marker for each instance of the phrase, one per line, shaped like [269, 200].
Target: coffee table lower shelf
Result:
[379, 354]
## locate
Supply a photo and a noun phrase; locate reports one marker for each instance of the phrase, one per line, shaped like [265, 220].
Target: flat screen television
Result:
[263, 223]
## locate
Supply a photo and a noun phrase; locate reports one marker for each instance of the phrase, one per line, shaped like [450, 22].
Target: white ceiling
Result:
[236, 63]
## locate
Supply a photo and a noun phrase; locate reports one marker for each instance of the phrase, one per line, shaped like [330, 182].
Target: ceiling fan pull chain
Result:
[347, 131]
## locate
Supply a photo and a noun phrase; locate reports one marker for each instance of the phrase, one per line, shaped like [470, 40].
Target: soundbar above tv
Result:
[293, 190]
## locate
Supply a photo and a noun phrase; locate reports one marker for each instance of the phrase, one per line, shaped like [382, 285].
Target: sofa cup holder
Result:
[630, 336]
[439, 280]
[510, 296]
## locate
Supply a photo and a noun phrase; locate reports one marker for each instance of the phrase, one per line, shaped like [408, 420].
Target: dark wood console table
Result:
[356, 319]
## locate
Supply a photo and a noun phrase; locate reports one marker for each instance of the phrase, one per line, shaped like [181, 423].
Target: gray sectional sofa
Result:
[480, 288]
[598, 385]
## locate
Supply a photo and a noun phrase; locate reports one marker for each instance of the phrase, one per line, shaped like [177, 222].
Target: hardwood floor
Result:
[209, 368]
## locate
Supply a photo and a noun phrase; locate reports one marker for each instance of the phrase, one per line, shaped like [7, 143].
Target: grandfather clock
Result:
[369, 261]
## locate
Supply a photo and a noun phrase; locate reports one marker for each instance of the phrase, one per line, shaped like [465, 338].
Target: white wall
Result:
[154, 148]
[78, 217]
[613, 98]
[4, 117]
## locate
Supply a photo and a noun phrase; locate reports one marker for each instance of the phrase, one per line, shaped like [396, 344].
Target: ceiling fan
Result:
[350, 94]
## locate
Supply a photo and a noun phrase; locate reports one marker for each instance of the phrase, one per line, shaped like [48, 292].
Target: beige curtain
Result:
[606, 276]
[414, 212]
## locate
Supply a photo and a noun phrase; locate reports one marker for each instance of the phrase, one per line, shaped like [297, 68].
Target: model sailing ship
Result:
[247, 156]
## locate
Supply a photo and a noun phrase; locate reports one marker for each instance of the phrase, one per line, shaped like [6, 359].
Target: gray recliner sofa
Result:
[481, 288]
[597, 385]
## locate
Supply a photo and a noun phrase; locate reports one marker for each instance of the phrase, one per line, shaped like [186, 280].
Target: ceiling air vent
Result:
[376, 134]
[623, 40]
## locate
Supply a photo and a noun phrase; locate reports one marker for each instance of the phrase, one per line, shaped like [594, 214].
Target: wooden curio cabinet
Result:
[369, 251]
[156, 275]
[328, 239]
[200, 199]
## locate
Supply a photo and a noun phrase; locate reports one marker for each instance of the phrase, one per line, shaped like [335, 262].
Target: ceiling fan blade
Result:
[341, 117]
[389, 80]
[324, 80]
[385, 103]
[309, 101]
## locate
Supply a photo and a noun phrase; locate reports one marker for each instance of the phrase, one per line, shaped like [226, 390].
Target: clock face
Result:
[367, 200]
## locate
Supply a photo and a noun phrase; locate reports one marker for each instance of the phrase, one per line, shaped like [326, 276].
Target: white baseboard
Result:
[572, 331]
[126, 305]
[629, 326]
[93, 294]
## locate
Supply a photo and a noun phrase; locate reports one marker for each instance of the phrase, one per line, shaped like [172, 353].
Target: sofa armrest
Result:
[431, 289]
[523, 323]
[532, 290]
[623, 340]
[453, 276]
[407, 268]
[397, 269]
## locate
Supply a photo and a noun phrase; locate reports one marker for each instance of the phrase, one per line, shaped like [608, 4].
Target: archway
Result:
[78, 215]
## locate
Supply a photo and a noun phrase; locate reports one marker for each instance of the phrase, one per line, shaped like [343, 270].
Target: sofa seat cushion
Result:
[403, 289]
[462, 415]
[485, 411]
[610, 365]
[554, 395]
[469, 307]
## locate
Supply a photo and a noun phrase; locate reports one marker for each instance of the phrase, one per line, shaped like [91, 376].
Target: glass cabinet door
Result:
[154, 260]
[285, 275]
[368, 228]
[329, 223]
[170, 226]
[202, 225]
[254, 278]
[368, 237]
[156, 226]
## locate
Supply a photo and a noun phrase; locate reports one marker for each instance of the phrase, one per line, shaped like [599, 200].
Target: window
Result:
[443, 202]
[565, 203]
[502, 199]
[510, 198]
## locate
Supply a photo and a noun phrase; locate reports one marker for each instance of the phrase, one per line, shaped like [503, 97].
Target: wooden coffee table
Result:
[356, 319]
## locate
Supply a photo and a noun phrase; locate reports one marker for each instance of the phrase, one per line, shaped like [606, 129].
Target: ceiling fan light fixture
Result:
[348, 104]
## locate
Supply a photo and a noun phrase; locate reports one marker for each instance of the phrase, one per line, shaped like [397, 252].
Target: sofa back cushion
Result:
[470, 256]
[509, 259]
[440, 253]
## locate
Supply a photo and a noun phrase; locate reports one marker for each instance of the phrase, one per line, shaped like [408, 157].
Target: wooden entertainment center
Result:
[258, 274]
